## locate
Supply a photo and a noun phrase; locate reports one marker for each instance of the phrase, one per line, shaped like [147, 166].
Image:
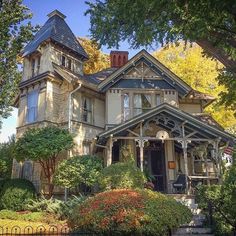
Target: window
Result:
[142, 103]
[32, 106]
[33, 67]
[126, 106]
[87, 110]
[63, 60]
[158, 99]
[38, 65]
[69, 64]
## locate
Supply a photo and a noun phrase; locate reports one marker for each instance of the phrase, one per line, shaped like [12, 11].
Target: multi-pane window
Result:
[32, 106]
[38, 65]
[33, 67]
[142, 103]
[87, 109]
[63, 60]
[158, 99]
[126, 106]
[69, 64]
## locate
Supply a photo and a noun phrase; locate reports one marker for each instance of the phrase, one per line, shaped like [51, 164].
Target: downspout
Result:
[70, 106]
[69, 125]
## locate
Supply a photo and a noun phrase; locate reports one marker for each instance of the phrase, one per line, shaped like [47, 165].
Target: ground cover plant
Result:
[128, 211]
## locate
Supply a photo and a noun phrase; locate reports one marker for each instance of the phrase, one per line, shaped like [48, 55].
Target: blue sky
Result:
[79, 24]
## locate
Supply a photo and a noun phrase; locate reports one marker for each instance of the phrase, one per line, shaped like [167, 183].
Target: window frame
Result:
[142, 109]
[32, 108]
[87, 111]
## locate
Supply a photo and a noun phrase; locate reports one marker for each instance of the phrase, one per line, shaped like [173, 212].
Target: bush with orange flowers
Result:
[129, 212]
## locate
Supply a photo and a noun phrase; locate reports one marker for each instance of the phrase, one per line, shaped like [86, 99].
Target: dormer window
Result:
[33, 67]
[38, 65]
[63, 60]
[69, 64]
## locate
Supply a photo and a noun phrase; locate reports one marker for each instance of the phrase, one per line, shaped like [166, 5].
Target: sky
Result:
[79, 24]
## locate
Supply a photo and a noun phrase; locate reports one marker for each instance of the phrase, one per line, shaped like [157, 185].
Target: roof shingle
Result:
[57, 30]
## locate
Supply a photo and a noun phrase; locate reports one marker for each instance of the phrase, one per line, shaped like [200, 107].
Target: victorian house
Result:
[137, 105]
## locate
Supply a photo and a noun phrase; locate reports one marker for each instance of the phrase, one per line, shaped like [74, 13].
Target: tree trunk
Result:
[50, 187]
[217, 53]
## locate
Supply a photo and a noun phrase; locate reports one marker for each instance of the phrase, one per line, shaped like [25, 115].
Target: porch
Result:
[165, 142]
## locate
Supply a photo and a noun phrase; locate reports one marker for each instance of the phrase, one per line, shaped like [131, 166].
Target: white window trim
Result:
[34, 108]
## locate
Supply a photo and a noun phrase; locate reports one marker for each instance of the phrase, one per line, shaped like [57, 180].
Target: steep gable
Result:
[144, 71]
[58, 31]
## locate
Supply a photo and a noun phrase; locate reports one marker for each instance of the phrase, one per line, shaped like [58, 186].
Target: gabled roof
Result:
[58, 31]
[192, 123]
[157, 66]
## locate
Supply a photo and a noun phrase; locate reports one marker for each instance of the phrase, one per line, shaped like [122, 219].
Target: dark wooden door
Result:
[157, 166]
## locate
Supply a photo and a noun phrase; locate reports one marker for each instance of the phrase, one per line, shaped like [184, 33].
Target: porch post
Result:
[218, 167]
[141, 145]
[109, 151]
[184, 146]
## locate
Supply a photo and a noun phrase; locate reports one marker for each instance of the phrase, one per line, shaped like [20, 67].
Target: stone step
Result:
[197, 221]
[193, 230]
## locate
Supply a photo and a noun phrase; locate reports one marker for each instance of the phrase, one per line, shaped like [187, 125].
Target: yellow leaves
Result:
[97, 59]
[200, 72]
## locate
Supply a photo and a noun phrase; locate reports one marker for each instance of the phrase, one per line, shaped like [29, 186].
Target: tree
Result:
[44, 145]
[222, 201]
[13, 36]
[6, 157]
[97, 59]
[200, 72]
[78, 170]
[210, 23]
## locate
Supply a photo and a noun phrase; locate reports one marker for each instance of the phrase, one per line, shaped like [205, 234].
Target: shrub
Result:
[122, 175]
[16, 193]
[127, 211]
[220, 202]
[78, 170]
[28, 216]
[58, 208]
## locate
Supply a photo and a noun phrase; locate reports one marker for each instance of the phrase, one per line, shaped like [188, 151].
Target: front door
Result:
[155, 161]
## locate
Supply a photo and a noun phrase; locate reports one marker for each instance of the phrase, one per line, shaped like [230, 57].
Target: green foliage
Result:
[210, 23]
[127, 212]
[189, 63]
[78, 170]
[30, 216]
[44, 145]
[52, 206]
[122, 175]
[6, 157]
[13, 36]
[16, 193]
[58, 208]
[222, 199]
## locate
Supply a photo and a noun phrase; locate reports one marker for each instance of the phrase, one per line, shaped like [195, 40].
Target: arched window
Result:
[119, 60]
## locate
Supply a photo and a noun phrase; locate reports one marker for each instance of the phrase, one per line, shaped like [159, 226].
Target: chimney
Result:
[118, 58]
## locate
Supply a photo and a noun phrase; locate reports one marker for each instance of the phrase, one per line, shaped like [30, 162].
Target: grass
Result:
[29, 223]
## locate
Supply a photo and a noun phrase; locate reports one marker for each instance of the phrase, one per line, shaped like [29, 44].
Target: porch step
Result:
[193, 231]
[193, 234]
[197, 221]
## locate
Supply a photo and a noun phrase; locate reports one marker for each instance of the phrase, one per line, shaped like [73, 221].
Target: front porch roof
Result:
[194, 127]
